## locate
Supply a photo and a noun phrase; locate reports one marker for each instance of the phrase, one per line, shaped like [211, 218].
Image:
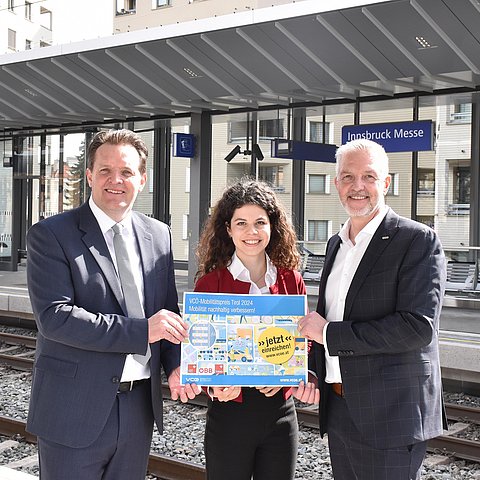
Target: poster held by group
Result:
[243, 340]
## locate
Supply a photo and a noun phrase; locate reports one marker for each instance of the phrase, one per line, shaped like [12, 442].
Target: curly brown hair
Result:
[215, 247]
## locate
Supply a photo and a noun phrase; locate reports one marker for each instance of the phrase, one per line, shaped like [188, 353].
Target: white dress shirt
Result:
[240, 272]
[339, 280]
[132, 369]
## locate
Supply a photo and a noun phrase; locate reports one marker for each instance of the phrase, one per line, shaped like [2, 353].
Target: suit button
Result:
[115, 380]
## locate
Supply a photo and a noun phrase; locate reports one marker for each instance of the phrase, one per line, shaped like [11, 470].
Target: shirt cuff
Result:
[325, 338]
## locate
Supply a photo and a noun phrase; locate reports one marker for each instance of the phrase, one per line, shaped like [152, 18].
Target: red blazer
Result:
[222, 281]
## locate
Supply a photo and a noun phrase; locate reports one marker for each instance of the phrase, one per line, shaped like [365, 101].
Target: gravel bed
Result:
[18, 331]
[184, 429]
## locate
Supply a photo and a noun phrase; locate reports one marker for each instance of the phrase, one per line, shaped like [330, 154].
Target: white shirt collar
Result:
[369, 229]
[105, 222]
[240, 272]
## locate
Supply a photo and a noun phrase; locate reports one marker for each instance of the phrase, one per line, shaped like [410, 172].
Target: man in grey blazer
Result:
[94, 397]
[375, 331]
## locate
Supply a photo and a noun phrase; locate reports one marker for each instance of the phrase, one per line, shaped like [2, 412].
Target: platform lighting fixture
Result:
[190, 72]
[423, 42]
[256, 150]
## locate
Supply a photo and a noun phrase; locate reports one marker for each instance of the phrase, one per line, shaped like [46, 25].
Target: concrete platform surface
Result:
[9, 474]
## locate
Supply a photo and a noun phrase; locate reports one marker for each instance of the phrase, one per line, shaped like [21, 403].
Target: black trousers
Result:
[354, 459]
[257, 438]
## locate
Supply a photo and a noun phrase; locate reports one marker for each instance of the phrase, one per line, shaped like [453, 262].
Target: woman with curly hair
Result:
[249, 246]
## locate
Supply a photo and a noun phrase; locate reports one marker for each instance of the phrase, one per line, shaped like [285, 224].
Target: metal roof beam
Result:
[235, 63]
[271, 59]
[141, 76]
[446, 38]
[170, 72]
[112, 78]
[205, 70]
[409, 55]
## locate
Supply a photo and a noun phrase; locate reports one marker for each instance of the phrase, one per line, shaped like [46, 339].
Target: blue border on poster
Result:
[222, 345]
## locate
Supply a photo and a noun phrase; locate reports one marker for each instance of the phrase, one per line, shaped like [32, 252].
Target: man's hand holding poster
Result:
[244, 340]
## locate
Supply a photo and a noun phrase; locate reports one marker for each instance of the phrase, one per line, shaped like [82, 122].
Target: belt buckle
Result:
[126, 386]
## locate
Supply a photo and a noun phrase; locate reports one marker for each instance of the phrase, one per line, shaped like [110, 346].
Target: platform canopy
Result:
[309, 51]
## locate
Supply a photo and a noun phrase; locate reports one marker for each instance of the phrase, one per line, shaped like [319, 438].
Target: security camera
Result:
[233, 153]
[257, 152]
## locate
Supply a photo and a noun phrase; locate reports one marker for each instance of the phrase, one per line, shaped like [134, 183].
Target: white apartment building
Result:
[24, 25]
[133, 15]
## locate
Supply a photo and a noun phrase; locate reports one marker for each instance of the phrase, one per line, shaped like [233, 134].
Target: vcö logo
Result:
[192, 379]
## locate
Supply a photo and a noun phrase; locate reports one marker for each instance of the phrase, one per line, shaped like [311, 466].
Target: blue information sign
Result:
[296, 150]
[394, 137]
[184, 145]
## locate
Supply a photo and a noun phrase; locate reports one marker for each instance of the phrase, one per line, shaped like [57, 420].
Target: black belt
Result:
[129, 386]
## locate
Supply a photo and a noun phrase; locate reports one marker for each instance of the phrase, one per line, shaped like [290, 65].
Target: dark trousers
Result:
[257, 438]
[119, 453]
[353, 459]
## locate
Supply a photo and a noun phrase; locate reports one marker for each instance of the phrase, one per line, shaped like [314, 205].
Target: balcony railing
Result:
[458, 209]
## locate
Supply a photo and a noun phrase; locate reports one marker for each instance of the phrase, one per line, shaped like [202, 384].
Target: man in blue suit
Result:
[375, 331]
[94, 397]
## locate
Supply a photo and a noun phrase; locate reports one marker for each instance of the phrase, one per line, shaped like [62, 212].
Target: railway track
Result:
[163, 467]
[446, 444]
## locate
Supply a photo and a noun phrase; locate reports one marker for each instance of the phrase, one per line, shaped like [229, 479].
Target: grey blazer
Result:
[83, 332]
[387, 343]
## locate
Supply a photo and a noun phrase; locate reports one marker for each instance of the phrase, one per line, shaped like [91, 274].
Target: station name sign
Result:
[394, 137]
[297, 150]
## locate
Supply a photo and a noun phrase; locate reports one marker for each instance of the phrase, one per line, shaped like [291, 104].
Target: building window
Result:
[12, 39]
[267, 130]
[316, 132]
[46, 18]
[11, 5]
[274, 175]
[318, 183]
[461, 185]
[187, 180]
[28, 10]
[126, 7]
[270, 129]
[160, 3]
[318, 230]
[426, 181]
[185, 226]
[461, 113]
[394, 183]
[28, 44]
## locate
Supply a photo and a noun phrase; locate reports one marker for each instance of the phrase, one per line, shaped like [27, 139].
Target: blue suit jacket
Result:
[84, 334]
[387, 343]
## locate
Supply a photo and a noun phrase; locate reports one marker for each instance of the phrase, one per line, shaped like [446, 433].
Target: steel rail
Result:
[16, 362]
[308, 416]
[462, 412]
[161, 466]
[456, 447]
[11, 339]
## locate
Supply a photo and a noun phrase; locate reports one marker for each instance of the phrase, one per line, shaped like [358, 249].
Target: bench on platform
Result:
[460, 276]
[312, 267]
